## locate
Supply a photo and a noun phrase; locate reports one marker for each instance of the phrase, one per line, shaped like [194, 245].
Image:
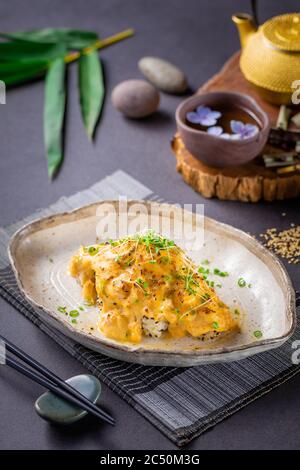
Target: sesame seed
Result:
[284, 243]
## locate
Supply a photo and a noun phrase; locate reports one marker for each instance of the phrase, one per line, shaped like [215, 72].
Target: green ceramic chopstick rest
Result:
[57, 410]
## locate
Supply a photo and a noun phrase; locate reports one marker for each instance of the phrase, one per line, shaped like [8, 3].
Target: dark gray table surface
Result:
[199, 37]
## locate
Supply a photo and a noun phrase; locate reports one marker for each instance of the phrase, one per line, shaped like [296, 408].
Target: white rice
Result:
[209, 336]
[153, 328]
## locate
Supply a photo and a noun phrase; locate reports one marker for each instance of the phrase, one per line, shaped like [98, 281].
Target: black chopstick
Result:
[36, 377]
[52, 381]
[52, 377]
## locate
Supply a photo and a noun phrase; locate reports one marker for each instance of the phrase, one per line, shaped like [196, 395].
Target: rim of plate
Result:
[232, 232]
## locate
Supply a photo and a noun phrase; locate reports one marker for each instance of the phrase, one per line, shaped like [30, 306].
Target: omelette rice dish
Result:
[145, 285]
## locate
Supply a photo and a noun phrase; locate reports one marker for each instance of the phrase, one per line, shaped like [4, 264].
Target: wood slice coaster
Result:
[250, 182]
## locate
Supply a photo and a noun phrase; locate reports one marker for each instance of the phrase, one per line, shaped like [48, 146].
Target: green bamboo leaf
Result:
[13, 67]
[22, 61]
[16, 72]
[23, 74]
[91, 87]
[19, 50]
[71, 38]
[54, 110]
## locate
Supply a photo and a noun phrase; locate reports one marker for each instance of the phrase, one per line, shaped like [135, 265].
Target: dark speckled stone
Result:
[58, 410]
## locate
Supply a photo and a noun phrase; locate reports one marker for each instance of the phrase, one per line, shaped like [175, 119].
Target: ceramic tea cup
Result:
[215, 150]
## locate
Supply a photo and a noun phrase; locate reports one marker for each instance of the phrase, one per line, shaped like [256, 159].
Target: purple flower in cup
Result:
[218, 131]
[204, 116]
[215, 130]
[226, 136]
[230, 136]
[243, 131]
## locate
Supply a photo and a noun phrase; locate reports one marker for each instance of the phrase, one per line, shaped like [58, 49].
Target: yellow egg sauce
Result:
[148, 276]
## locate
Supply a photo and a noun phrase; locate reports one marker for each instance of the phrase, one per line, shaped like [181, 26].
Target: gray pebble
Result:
[163, 75]
[135, 98]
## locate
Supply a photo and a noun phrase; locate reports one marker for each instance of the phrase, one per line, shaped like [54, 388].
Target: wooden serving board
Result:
[250, 182]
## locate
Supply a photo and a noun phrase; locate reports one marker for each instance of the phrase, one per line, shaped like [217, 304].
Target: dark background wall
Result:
[198, 36]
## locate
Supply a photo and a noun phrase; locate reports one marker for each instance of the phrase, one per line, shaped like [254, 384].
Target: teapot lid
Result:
[283, 32]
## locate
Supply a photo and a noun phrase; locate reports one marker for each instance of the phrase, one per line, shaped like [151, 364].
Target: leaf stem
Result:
[100, 44]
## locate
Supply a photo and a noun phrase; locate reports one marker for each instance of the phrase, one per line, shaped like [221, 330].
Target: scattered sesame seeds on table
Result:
[284, 243]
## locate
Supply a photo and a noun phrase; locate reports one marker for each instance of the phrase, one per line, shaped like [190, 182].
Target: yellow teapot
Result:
[270, 58]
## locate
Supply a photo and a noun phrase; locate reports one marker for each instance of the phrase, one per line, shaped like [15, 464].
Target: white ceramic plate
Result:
[40, 252]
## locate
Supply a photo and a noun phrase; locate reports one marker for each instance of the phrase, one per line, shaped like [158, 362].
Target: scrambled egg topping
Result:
[147, 278]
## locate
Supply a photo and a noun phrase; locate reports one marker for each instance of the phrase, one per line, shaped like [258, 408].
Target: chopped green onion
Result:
[92, 250]
[215, 325]
[202, 270]
[241, 282]
[218, 272]
[74, 313]
[74, 321]
[257, 334]
[62, 309]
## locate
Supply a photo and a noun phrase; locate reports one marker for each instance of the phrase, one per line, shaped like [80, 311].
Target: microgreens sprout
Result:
[188, 282]
[205, 297]
[141, 283]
